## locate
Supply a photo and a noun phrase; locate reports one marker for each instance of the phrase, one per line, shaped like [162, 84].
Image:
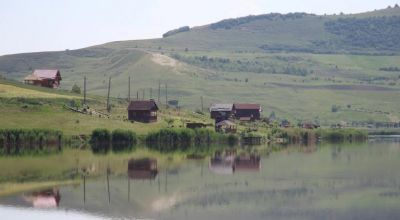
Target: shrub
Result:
[20, 141]
[100, 140]
[123, 140]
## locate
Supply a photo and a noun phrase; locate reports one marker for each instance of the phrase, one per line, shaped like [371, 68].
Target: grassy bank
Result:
[309, 136]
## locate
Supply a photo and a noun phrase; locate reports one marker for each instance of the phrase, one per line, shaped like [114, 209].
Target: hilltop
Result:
[300, 66]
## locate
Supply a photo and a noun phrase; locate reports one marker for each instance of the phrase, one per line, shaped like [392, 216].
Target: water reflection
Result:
[250, 162]
[335, 181]
[229, 162]
[144, 168]
[222, 163]
[49, 198]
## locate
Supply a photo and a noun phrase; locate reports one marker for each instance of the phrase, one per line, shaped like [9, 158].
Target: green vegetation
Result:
[122, 140]
[100, 140]
[374, 33]
[229, 61]
[183, 139]
[340, 135]
[29, 141]
[176, 31]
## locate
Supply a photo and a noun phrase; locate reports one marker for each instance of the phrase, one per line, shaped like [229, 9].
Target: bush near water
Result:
[102, 140]
[183, 138]
[20, 141]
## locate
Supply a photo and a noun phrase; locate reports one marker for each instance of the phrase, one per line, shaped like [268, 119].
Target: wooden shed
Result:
[246, 111]
[220, 112]
[45, 77]
[143, 111]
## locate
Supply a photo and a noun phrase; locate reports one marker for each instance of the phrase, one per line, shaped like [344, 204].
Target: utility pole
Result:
[84, 90]
[137, 94]
[166, 94]
[151, 93]
[143, 91]
[202, 106]
[159, 91]
[108, 94]
[129, 89]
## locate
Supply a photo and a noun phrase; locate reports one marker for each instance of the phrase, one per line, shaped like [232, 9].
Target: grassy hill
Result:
[300, 66]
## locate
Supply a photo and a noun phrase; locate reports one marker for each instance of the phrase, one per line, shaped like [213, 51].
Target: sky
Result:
[48, 25]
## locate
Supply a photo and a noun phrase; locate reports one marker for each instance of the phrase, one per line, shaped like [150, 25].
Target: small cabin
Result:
[45, 77]
[144, 168]
[246, 111]
[143, 111]
[221, 112]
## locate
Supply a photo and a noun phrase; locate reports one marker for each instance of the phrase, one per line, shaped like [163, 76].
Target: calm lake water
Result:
[333, 181]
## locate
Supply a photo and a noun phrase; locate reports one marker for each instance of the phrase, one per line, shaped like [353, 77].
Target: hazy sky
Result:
[42, 25]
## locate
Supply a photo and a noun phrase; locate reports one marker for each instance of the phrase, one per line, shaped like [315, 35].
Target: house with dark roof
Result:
[143, 111]
[44, 77]
[246, 111]
[221, 112]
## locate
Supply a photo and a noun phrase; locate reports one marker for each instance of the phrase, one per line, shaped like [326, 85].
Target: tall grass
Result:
[123, 140]
[102, 140]
[27, 141]
[184, 139]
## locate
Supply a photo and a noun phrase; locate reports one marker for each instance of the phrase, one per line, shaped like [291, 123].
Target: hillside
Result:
[300, 66]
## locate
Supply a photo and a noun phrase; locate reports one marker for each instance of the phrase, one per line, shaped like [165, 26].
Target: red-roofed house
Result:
[246, 111]
[143, 111]
[45, 78]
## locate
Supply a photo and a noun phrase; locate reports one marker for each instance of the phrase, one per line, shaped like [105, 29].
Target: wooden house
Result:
[144, 168]
[143, 111]
[221, 112]
[246, 111]
[46, 78]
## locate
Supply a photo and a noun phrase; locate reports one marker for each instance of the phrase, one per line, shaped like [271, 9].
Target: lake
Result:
[328, 181]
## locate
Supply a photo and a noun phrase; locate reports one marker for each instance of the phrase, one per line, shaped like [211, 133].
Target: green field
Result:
[298, 66]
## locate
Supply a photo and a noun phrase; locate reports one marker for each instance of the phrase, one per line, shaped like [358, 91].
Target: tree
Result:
[76, 89]
[335, 108]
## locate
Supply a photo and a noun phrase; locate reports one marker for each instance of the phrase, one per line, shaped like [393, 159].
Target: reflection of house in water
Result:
[247, 163]
[222, 163]
[49, 198]
[229, 163]
[145, 168]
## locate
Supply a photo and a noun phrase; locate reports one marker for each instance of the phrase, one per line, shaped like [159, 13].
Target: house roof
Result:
[31, 77]
[221, 107]
[247, 106]
[46, 73]
[143, 105]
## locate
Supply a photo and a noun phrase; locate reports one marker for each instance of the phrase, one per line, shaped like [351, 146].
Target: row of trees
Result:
[230, 23]
[377, 33]
[226, 64]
